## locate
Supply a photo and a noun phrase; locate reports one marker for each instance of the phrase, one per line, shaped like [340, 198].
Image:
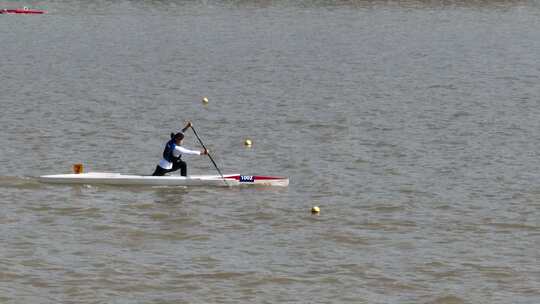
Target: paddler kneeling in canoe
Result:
[172, 155]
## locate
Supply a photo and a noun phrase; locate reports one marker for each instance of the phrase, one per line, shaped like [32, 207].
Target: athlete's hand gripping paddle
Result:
[208, 153]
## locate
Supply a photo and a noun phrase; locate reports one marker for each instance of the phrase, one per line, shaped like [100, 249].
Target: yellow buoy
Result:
[77, 168]
[247, 142]
[315, 210]
[205, 100]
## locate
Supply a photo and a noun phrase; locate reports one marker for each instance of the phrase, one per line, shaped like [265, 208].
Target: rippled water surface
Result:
[415, 126]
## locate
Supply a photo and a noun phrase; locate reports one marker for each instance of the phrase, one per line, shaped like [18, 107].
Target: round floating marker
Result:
[315, 210]
[247, 142]
[205, 100]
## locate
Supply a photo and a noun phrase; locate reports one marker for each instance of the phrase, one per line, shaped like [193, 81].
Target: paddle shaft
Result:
[210, 156]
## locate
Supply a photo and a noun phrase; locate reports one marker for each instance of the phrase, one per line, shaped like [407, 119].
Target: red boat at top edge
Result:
[24, 10]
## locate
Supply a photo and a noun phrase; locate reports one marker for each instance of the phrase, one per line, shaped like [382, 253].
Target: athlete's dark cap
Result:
[179, 135]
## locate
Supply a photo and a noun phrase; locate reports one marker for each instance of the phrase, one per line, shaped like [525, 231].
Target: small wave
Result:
[515, 226]
[217, 275]
[387, 208]
[459, 114]
[20, 182]
[447, 300]
[442, 86]
[349, 239]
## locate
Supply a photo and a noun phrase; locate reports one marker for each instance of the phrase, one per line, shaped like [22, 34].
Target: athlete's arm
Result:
[187, 151]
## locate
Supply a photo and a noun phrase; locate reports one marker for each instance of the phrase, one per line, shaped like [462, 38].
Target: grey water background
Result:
[414, 125]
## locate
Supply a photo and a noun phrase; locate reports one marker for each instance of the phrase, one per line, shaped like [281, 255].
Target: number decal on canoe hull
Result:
[247, 178]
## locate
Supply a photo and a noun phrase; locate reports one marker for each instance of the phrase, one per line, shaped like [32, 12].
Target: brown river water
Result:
[413, 125]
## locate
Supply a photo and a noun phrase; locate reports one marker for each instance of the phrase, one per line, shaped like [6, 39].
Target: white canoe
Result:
[106, 178]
